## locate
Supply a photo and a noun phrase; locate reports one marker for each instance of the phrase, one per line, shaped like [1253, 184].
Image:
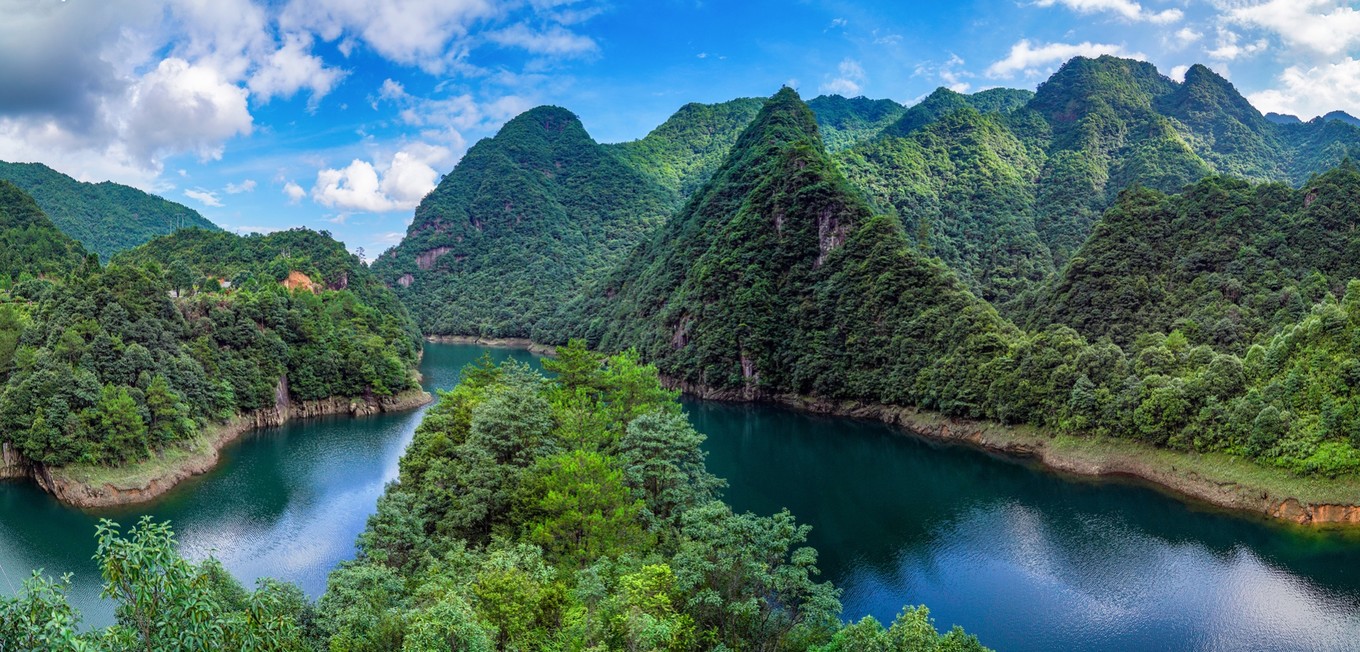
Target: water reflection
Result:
[1028, 560]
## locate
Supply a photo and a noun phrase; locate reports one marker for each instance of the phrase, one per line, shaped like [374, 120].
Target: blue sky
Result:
[341, 114]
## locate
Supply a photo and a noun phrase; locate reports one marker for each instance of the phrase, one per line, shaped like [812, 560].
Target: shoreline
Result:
[1217, 480]
[96, 487]
[1213, 479]
[495, 342]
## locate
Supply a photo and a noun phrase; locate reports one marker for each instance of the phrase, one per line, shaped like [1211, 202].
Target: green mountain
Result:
[682, 153]
[115, 364]
[1005, 198]
[523, 221]
[844, 122]
[943, 102]
[105, 217]
[778, 278]
[1225, 262]
[29, 242]
[966, 186]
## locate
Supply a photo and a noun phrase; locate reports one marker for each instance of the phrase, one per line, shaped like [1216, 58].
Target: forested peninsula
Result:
[119, 380]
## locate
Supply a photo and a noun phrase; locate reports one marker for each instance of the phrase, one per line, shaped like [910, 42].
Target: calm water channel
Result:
[1025, 559]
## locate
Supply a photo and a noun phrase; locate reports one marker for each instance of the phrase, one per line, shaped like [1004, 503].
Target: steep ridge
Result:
[523, 221]
[778, 278]
[30, 244]
[105, 217]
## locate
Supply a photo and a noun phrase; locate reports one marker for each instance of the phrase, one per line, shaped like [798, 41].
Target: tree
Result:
[663, 461]
[577, 507]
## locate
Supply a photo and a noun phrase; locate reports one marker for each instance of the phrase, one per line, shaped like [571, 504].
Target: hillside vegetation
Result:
[105, 217]
[108, 365]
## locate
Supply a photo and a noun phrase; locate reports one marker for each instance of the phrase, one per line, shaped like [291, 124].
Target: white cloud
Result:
[291, 68]
[1030, 58]
[1127, 9]
[204, 197]
[1227, 47]
[1313, 91]
[555, 40]
[295, 192]
[1326, 27]
[237, 188]
[182, 107]
[1185, 36]
[847, 82]
[431, 34]
[400, 185]
[1178, 73]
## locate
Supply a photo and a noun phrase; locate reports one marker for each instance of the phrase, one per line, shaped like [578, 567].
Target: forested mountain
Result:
[105, 217]
[778, 278]
[964, 183]
[523, 221]
[844, 122]
[683, 152]
[112, 364]
[1225, 262]
[990, 193]
[30, 245]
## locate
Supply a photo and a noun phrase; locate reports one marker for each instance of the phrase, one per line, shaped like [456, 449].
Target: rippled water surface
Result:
[1025, 559]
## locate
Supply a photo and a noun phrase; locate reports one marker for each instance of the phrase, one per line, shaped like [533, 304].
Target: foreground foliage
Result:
[530, 514]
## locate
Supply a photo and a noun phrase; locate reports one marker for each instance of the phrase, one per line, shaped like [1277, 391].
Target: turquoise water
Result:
[1025, 559]
[284, 502]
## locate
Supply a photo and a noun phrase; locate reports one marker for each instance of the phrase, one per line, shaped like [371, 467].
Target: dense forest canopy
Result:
[105, 217]
[30, 244]
[107, 365]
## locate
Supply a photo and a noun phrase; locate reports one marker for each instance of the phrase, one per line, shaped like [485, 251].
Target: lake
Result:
[1024, 558]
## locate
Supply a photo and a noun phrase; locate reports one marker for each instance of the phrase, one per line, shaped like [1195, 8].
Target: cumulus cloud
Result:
[398, 186]
[183, 107]
[1185, 37]
[292, 68]
[204, 197]
[237, 188]
[1325, 27]
[294, 192]
[1313, 91]
[949, 73]
[431, 34]
[1126, 9]
[1229, 47]
[1032, 58]
[847, 82]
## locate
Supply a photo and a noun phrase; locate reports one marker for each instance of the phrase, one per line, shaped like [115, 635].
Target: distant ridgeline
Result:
[104, 365]
[105, 217]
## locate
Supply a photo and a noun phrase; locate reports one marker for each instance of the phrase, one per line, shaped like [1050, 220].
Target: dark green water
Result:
[1025, 559]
